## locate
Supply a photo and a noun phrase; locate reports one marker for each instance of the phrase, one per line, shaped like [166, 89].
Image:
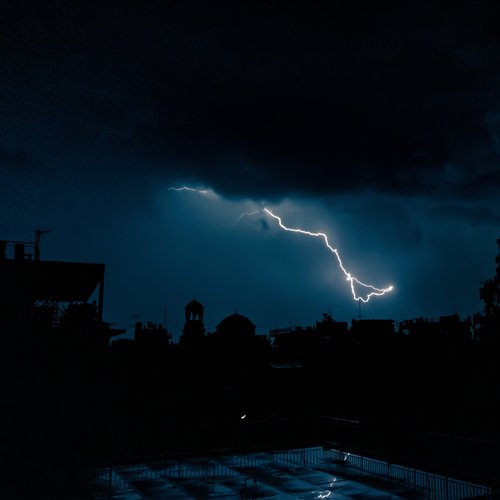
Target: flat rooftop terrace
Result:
[307, 473]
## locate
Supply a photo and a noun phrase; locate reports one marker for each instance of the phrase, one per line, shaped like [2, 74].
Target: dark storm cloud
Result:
[15, 162]
[268, 100]
[473, 215]
[487, 182]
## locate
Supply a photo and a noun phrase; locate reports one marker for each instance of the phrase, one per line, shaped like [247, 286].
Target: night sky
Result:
[379, 126]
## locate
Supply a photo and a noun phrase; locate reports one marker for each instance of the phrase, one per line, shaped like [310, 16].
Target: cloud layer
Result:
[272, 99]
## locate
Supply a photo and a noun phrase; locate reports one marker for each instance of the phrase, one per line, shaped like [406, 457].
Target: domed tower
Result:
[194, 329]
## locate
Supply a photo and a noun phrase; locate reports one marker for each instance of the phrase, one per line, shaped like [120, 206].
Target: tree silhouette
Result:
[489, 292]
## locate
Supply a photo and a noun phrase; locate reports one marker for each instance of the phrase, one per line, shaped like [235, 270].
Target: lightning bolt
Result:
[353, 281]
[186, 188]
[248, 214]
[350, 278]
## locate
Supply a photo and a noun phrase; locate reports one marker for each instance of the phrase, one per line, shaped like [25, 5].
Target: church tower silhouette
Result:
[194, 329]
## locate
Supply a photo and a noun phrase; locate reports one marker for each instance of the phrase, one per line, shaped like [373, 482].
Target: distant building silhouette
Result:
[449, 328]
[329, 328]
[236, 343]
[150, 335]
[236, 326]
[372, 330]
[194, 329]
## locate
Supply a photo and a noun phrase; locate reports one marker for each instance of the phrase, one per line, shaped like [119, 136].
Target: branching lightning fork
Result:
[350, 278]
[247, 214]
[186, 188]
[353, 281]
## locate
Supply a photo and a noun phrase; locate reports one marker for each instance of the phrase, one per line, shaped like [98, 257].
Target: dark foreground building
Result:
[48, 297]
[52, 340]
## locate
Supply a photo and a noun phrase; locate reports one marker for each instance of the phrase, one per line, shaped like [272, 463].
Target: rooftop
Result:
[308, 473]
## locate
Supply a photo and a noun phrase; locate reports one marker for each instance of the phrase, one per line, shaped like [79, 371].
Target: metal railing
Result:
[435, 486]
[432, 486]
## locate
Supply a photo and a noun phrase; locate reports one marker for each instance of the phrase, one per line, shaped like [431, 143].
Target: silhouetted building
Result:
[27, 286]
[194, 329]
[329, 328]
[449, 328]
[419, 328]
[291, 344]
[372, 330]
[150, 335]
[453, 327]
[236, 326]
[236, 341]
[47, 295]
